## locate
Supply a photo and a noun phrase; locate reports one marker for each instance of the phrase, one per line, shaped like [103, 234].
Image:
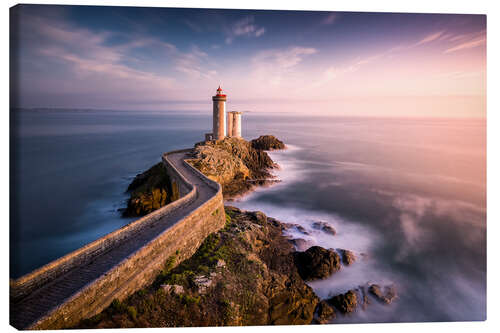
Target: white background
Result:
[491, 8]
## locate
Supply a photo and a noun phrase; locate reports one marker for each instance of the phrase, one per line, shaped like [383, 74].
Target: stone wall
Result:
[138, 269]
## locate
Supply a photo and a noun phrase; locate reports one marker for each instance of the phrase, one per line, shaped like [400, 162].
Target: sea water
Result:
[407, 196]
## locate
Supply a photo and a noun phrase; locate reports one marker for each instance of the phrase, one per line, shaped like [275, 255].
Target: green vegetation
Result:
[241, 275]
[132, 312]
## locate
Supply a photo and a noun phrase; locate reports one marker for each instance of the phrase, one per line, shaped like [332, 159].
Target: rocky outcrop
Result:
[345, 303]
[233, 163]
[324, 313]
[385, 296]
[244, 274]
[316, 263]
[267, 142]
[149, 191]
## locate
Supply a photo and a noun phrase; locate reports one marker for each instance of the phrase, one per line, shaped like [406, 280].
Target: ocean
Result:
[407, 196]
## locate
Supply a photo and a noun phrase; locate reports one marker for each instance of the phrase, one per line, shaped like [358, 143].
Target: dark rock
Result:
[348, 257]
[149, 191]
[301, 229]
[387, 296]
[324, 313]
[267, 142]
[376, 291]
[345, 303]
[325, 227]
[316, 263]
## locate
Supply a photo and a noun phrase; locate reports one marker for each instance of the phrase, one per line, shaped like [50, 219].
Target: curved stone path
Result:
[28, 310]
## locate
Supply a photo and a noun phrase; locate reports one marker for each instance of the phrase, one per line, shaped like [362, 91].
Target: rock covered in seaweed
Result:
[267, 142]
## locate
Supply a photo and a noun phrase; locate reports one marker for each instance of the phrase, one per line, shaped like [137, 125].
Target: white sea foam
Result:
[349, 234]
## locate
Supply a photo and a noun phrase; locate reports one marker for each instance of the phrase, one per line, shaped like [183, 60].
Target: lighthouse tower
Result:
[234, 124]
[219, 115]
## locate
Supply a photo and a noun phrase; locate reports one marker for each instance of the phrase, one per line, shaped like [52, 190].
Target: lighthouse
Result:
[223, 126]
[219, 115]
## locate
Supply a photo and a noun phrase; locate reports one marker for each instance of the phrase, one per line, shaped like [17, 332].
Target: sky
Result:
[306, 62]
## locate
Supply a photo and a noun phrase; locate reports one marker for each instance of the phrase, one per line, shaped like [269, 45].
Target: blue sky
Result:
[174, 59]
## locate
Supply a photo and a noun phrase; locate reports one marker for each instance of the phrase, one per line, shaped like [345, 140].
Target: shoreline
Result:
[366, 293]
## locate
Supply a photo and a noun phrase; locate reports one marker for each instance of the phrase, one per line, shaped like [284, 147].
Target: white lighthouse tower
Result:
[219, 115]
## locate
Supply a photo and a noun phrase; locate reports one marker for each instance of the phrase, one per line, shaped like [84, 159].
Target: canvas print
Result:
[177, 167]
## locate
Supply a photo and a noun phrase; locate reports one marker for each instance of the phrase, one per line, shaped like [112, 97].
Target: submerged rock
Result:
[325, 227]
[297, 227]
[267, 142]
[386, 296]
[316, 263]
[348, 257]
[345, 303]
[365, 300]
[301, 244]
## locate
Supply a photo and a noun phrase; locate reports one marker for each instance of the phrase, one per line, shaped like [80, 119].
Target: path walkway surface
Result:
[28, 310]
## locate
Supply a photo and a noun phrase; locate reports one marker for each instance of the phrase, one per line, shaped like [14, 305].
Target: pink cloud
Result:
[430, 38]
[468, 45]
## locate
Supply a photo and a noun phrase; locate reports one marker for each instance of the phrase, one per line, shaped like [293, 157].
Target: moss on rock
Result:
[242, 275]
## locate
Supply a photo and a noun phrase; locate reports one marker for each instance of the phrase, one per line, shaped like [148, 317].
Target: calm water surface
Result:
[409, 194]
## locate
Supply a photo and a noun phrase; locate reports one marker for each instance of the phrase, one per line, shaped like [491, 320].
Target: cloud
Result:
[244, 27]
[283, 59]
[480, 41]
[90, 64]
[469, 40]
[260, 32]
[192, 64]
[275, 68]
[330, 19]
[460, 74]
[193, 26]
[429, 38]
[333, 72]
